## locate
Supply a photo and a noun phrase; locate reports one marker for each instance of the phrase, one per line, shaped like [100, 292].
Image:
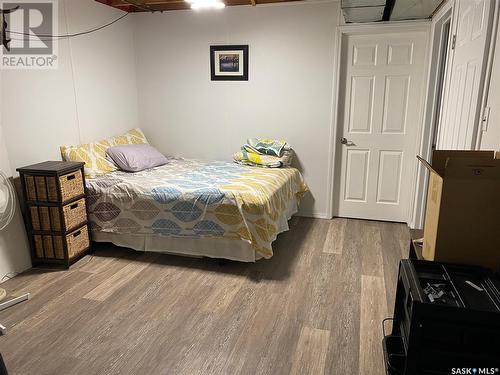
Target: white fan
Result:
[7, 205]
[7, 210]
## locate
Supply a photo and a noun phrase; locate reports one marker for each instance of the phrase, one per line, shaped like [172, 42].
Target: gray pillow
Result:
[136, 158]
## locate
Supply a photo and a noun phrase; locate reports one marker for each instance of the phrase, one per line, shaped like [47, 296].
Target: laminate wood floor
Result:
[315, 308]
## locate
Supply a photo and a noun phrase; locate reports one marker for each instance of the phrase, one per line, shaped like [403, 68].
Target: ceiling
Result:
[364, 10]
[414, 9]
[358, 11]
[354, 10]
[165, 5]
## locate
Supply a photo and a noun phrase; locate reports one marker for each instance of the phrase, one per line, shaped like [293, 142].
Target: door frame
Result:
[483, 122]
[426, 149]
[430, 108]
[337, 125]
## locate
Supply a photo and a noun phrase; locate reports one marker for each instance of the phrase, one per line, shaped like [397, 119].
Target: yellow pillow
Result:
[94, 154]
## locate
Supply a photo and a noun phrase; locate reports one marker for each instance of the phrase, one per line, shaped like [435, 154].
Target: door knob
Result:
[346, 142]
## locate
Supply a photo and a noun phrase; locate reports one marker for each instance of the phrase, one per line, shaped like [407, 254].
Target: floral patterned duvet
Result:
[192, 198]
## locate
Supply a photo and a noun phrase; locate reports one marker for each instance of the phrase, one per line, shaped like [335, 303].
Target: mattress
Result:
[195, 200]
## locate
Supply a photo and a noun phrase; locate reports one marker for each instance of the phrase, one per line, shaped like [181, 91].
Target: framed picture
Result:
[229, 63]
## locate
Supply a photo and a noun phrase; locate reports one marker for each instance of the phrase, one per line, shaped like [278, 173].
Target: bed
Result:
[195, 208]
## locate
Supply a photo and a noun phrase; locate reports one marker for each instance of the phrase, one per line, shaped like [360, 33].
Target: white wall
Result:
[491, 138]
[289, 93]
[14, 250]
[160, 64]
[92, 95]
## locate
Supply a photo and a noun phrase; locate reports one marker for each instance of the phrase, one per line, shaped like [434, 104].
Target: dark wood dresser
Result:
[56, 214]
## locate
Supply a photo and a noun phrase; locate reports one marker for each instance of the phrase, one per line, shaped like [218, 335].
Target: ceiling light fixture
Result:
[206, 4]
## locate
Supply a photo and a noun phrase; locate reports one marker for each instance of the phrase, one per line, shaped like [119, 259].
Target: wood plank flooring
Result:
[315, 308]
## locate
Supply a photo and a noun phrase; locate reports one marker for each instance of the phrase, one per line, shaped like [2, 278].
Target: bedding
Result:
[94, 154]
[213, 247]
[265, 161]
[265, 152]
[136, 158]
[196, 199]
[267, 146]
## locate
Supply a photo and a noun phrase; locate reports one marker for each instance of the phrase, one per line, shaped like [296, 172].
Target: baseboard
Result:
[314, 215]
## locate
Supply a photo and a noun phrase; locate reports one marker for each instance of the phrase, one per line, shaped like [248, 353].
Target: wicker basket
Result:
[78, 241]
[75, 214]
[71, 185]
[44, 188]
[49, 218]
[52, 246]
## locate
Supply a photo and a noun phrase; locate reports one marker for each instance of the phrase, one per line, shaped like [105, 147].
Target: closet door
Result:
[461, 109]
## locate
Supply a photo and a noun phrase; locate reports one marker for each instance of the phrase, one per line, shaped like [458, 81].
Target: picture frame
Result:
[229, 62]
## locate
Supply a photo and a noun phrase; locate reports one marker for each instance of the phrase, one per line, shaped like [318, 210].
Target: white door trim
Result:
[334, 116]
[430, 109]
[342, 31]
[489, 67]
[426, 148]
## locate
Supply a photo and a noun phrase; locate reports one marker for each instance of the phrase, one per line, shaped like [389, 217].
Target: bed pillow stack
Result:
[94, 154]
[265, 152]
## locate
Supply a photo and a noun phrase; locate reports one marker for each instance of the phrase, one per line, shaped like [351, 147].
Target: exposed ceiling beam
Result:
[138, 5]
[389, 6]
[147, 6]
[166, 5]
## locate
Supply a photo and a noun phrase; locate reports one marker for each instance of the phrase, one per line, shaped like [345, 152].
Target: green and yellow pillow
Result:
[94, 154]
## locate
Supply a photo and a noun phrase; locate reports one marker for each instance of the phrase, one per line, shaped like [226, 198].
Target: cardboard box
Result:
[462, 221]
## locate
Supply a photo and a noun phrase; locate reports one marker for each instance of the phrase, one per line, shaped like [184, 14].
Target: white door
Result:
[381, 112]
[462, 104]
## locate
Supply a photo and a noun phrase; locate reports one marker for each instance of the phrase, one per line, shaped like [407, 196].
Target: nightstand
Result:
[56, 213]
